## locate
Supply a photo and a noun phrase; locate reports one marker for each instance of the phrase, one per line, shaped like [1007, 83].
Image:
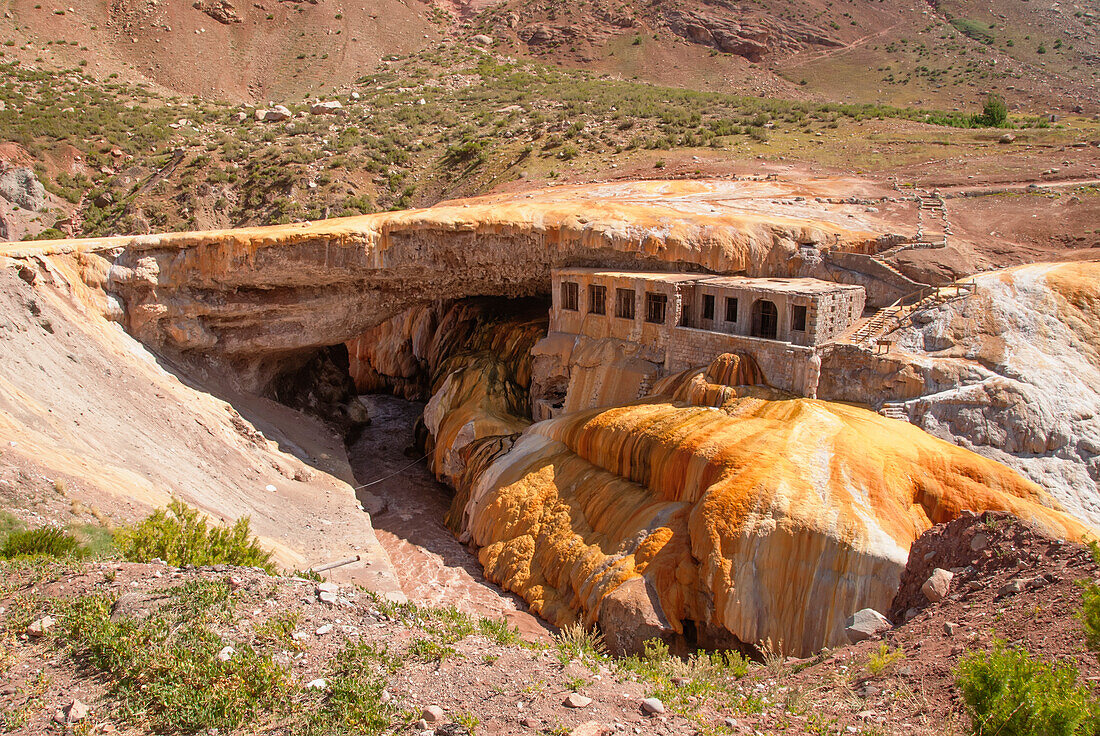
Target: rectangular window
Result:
[731, 309]
[798, 318]
[708, 306]
[624, 303]
[597, 299]
[569, 295]
[655, 308]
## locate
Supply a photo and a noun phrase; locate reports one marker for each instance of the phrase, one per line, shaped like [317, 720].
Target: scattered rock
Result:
[432, 714]
[937, 585]
[1013, 586]
[950, 628]
[41, 626]
[71, 713]
[482, 40]
[226, 653]
[322, 630]
[588, 728]
[865, 624]
[318, 684]
[1006, 138]
[332, 107]
[326, 592]
[576, 700]
[653, 706]
[979, 541]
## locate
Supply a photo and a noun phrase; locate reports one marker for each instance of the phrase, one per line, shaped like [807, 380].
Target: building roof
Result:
[767, 284]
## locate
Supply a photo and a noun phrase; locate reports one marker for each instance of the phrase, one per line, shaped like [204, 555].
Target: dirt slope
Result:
[83, 402]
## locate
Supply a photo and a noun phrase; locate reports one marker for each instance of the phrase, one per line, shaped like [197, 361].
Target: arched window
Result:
[765, 319]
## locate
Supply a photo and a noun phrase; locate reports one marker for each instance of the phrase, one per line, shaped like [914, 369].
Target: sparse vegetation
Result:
[43, 541]
[1090, 606]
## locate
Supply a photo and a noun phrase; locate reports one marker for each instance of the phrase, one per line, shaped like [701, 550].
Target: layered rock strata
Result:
[255, 296]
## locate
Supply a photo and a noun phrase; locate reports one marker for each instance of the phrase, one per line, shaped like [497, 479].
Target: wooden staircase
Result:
[895, 315]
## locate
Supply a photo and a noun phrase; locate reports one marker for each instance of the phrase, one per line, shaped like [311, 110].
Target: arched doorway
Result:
[765, 319]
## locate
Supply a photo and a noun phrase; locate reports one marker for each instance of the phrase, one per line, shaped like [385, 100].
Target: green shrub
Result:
[180, 536]
[1010, 694]
[42, 542]
[994, 112]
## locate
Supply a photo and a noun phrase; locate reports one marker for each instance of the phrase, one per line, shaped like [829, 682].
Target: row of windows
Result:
[656, 305]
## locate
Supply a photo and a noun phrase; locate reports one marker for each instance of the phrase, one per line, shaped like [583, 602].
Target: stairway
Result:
[894, 410]
[894, 316]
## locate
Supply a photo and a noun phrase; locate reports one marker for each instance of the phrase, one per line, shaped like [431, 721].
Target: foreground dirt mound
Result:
[984, 551]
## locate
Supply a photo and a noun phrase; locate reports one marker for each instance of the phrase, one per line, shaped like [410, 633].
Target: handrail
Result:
[912, 299]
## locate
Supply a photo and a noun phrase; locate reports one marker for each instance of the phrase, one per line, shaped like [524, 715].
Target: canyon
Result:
[704, 507]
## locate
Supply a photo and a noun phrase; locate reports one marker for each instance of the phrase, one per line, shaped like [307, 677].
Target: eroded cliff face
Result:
[255, 295]
[1012, 373]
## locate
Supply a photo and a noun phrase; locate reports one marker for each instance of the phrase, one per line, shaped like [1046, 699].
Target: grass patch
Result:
[353, 703]
[180, 536]
[164, 672]
[679, 682]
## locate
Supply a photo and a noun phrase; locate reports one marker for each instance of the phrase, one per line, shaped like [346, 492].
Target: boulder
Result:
[482, 40]
[332, 107]
[432, 714]
[937, 585]
[631, 615]
[865, 624]
[274, 115]
[21, 187]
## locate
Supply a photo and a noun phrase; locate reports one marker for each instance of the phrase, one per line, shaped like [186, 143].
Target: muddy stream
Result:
[433, 567]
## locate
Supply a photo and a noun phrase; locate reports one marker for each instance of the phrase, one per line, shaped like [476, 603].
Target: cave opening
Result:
[373, 389]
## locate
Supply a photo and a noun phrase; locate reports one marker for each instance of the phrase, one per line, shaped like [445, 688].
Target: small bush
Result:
[1010, 694]
[576, 642]
[41, 542]
[994, 112]
[179, 536]
[883, 658]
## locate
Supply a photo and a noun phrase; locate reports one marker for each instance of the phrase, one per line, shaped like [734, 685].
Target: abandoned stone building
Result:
[684, 320]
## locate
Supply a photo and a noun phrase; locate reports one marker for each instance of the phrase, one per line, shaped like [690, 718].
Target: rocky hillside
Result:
[899, 51]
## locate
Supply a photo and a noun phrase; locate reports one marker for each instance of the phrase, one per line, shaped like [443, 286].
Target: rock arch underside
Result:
[702, 507]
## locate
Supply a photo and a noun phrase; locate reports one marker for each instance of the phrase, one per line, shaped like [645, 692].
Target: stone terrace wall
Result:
[785, 366]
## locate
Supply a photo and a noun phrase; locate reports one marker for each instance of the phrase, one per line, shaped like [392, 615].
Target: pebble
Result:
[432, 714]
[322, 630]
[576, 700]
[71, 713]
[950, 628]
[226, 653]
[318, 684]
[653, 706]
[41, 626]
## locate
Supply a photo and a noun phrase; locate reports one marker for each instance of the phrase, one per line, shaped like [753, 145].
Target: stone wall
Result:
[788, 367]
